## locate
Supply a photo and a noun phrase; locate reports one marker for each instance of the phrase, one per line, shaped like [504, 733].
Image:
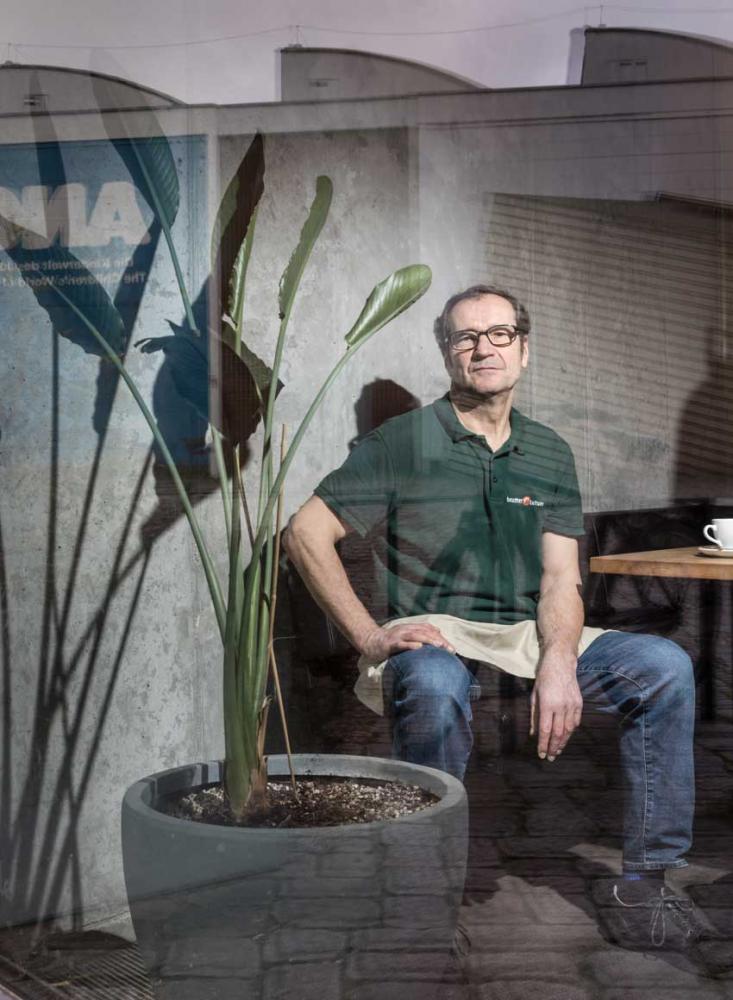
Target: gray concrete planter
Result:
[226, 912]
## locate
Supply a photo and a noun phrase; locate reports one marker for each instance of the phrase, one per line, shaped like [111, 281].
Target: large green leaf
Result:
[388, 299]
[245, 383]
[308, 236]
[47, 270]
[234, 226]
[260, 372]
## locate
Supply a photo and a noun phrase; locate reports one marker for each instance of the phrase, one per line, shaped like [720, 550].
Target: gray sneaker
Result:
[642, 918]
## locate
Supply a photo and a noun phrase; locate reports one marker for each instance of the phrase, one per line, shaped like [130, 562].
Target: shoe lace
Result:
[461, 942]
[677, 908]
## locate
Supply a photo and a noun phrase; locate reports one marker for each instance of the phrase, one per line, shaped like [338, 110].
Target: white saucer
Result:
[713, 550]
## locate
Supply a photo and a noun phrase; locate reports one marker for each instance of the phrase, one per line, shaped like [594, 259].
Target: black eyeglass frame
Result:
[507, 328]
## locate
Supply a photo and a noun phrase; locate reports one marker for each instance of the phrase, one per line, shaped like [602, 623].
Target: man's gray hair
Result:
[442, 329]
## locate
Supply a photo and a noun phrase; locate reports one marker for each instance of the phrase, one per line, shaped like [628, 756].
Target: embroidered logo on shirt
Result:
[526, 501]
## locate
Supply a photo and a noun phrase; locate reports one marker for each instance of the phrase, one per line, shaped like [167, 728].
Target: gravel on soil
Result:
[314, 802]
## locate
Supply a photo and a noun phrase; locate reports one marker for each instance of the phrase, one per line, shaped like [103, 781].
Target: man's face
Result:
[486, 370]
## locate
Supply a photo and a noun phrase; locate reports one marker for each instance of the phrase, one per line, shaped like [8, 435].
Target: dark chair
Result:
[683, 610]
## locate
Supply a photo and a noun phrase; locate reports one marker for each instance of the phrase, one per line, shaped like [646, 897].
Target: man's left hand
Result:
[556, 705]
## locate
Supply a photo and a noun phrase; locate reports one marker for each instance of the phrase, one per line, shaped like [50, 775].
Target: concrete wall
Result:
[553, 192]
[110, 658]
[112, 663]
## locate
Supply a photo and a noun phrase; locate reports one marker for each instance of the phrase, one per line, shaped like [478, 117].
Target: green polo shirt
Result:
[455, 526]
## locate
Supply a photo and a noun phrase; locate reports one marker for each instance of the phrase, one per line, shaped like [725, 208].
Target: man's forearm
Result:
[310, 541]
[557, 703]
[559, 618]
[323, 573]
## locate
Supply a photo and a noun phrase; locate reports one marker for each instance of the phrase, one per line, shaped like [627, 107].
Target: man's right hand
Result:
[310, 542]
[383, 642]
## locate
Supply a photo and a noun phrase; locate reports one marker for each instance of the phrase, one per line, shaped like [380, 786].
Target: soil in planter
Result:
[316, 802]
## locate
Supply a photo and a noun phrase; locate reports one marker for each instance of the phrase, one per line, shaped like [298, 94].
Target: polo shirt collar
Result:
[457, 432]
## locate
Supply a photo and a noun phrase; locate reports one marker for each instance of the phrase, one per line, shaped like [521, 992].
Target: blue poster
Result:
[83, 225]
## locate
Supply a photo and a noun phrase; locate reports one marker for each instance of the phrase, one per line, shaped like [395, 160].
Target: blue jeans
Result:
[645, 681]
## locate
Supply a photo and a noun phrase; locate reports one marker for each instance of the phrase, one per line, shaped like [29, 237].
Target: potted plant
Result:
[232, 902]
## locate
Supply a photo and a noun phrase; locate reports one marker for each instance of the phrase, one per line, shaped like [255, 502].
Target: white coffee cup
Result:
[720, 532]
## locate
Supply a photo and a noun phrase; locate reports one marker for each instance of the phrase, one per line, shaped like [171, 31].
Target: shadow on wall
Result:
[319, 645]
[704, 452]
[42, 798]
[379, 401]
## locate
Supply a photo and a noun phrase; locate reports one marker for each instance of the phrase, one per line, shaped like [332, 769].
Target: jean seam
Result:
[648, 787]
[648, 793]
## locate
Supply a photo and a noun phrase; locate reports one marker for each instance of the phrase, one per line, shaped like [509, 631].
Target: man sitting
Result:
[474, 511]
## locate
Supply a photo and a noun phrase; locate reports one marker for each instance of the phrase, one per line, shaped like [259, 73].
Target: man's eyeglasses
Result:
[501, 335]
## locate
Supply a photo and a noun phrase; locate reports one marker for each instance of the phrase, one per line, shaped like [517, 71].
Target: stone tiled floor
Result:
[527, 907]
[540, 834]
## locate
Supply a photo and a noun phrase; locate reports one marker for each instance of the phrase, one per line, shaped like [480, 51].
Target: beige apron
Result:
[514, 649]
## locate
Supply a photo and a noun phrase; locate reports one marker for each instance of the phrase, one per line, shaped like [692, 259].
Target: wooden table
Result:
[684, 563]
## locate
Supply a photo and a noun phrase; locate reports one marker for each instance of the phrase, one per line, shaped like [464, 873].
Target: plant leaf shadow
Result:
[76, 676]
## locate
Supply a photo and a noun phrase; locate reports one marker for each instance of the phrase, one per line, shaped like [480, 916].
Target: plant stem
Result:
[273, 590]
[290, 455]
[222, 473]
[181, 285]
[237, 761]
[245, 508]
[249, 606]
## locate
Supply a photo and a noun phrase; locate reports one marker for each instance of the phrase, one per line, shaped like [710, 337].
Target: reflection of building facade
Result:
[604, 204]
[583, 197]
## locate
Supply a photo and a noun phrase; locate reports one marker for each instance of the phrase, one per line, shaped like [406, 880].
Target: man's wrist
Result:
[559, 653]
[559, 647]
[364, 637]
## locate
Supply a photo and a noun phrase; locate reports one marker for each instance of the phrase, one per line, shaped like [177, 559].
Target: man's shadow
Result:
[334, 715]
[704, 448]
[380, 400]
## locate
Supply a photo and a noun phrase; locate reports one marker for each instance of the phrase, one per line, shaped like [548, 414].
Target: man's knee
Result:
[667, 665]
[430, 673]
